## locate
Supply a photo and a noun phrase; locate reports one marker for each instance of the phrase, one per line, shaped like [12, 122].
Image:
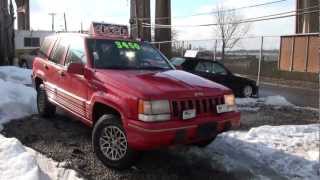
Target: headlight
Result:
[151, 111]
[229, 100]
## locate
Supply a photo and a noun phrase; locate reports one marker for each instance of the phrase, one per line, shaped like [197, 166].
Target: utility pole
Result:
[7, 48]
[65, 22]
[140, 13]
[23, 14]
[163, 16]
[81, 27]
[215, 50]
[260, 61]
[52, 20]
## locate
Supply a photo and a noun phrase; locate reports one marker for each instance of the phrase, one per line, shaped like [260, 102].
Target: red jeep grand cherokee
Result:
[130, 94]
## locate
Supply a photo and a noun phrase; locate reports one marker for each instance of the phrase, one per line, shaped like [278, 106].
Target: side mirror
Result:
[75, 68]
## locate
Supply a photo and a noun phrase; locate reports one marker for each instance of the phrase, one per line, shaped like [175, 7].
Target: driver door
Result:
[75, 86]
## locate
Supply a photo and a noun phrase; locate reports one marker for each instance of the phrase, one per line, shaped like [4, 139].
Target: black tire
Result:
[126, 157]
[24, 64]
[45, 107]
[205, 143]
[247, 91]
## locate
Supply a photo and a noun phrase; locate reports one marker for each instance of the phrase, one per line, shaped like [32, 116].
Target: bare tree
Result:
[174, 35]
[229, 28]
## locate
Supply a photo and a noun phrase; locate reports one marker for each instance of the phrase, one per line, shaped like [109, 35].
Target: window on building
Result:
[31, 42]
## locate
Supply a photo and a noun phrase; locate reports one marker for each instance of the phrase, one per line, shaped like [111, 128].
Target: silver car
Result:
[26, 60]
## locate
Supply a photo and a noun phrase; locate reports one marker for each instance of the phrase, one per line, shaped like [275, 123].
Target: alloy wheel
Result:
[113, 143]
[247, 91]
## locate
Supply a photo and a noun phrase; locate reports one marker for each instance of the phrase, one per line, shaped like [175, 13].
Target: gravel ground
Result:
[67, 140]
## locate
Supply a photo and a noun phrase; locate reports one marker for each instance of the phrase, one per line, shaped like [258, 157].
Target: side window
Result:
[218, 69]
[204, 67]
[59, 51]
[44, 49]
[76, 52]
[178, 61]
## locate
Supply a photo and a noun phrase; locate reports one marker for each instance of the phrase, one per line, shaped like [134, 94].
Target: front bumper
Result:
[147, 136]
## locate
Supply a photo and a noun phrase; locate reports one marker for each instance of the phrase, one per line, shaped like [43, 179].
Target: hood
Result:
[169, 84]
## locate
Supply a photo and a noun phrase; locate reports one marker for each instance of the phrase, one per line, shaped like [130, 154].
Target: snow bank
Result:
[278, 152]
[16, 101]
[15, 74]
[270, 100]
[16, 161]
[20, 163]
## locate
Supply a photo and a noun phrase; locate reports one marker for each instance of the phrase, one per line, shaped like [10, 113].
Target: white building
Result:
[26, 40]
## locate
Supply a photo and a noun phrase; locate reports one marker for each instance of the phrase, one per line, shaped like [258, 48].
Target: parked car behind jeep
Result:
[26, 59]
[217, 72]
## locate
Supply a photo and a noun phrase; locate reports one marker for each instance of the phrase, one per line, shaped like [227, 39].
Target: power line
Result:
[219, 39]
[215, 12]
[213, 39]
[256, 19]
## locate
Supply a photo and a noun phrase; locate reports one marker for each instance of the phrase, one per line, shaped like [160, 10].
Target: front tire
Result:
[110, 143]
[45, 108]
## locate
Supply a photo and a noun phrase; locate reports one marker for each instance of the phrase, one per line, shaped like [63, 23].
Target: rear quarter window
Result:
[45, 47]
[59, 51]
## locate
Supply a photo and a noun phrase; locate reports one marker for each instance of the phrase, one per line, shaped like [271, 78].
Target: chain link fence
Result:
[244, 57]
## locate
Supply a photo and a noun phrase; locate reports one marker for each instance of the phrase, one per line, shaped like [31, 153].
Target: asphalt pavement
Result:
[299, 96]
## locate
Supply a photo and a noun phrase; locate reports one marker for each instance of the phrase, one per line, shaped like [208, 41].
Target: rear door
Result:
[213, 71]
[221, 75]
[204, 69]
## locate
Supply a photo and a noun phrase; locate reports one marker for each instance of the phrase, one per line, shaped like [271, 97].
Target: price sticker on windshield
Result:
[127, 45]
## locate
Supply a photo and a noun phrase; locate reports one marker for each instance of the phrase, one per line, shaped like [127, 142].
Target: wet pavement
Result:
[299, 96]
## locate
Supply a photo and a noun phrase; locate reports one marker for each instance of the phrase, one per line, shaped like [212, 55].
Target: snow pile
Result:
[15, 74]
[270, 100]
[276, 101]
[18, 162]
[16, 101]
[254, 104]
[283, 151]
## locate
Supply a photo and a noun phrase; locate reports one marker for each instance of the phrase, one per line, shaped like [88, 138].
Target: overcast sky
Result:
[117, 11]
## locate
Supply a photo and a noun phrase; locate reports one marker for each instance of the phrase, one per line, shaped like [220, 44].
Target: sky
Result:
[117, 11]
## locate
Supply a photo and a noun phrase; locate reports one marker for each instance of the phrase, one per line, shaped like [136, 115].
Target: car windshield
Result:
[114, 54]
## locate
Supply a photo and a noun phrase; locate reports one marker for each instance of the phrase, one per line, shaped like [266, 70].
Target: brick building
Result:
[300, 52]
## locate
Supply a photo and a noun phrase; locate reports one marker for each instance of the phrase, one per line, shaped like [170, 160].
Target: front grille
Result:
[202, 106]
